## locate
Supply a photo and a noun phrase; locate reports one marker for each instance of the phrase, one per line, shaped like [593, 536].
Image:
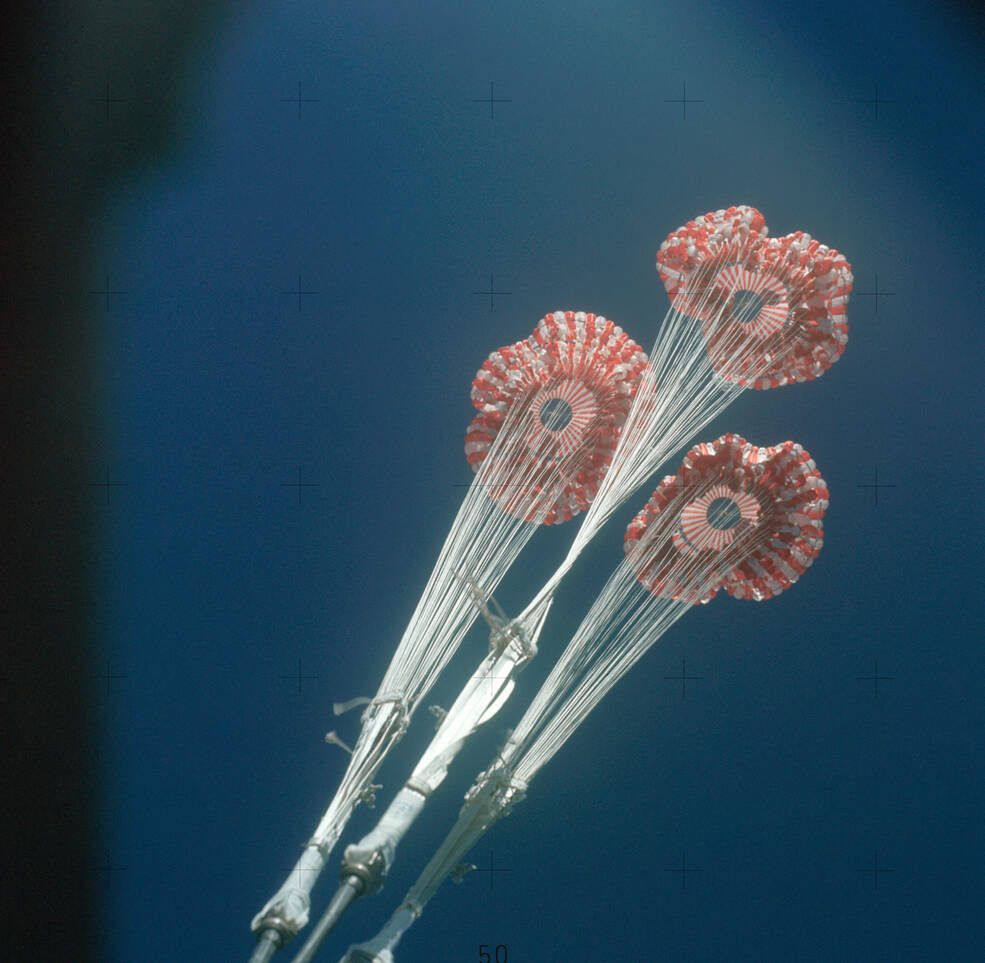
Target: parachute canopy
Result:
[550, 411]
[772, 309]
[735, 516]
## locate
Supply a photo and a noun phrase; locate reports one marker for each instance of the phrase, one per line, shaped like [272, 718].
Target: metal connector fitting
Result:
[369, 870]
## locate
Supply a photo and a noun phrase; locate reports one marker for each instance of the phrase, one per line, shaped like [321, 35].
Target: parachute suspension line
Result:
[483, 543]
[286, 912]
[383, 724]
[675, 559]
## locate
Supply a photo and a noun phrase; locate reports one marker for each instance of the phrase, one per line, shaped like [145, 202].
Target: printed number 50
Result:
[500, 957]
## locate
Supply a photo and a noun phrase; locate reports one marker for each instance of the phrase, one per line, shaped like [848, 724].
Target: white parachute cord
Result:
[625, 621]
[483, 543]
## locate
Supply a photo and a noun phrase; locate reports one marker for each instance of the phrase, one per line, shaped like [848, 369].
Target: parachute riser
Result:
[384, 720]
[367, 863]
[287, 911]
[369, 860]
[513, 636]
[494, 793]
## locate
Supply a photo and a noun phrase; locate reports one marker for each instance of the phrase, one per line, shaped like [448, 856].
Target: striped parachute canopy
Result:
[735, 516]
[772, 309]
[550, 411]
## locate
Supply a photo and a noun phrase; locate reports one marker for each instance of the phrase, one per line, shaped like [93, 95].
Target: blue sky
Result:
[781, 773]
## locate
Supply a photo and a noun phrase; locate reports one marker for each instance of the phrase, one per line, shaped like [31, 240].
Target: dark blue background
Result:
[780, 774]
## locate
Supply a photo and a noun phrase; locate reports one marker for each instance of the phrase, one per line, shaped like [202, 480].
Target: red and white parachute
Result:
[568, 388]
[734, 517]
[772, 309]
